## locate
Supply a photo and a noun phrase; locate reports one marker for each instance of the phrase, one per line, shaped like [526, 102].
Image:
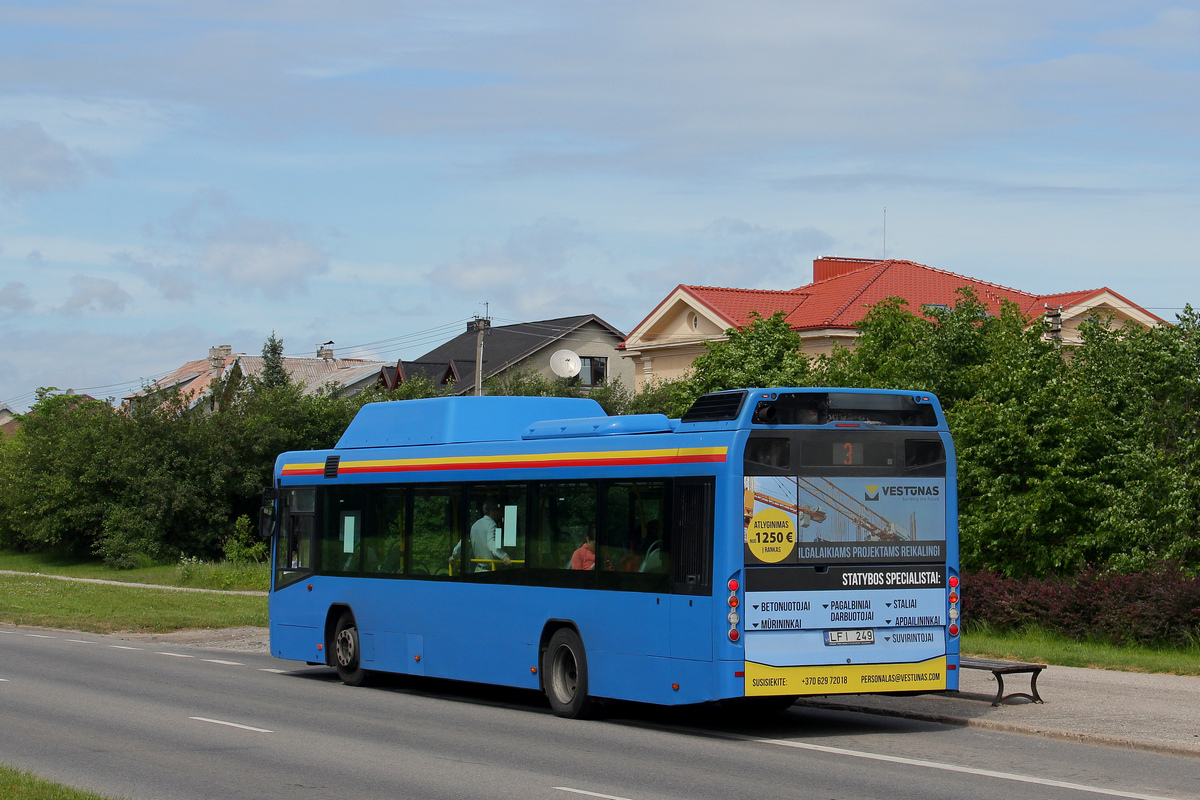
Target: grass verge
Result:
[104, 608]
[1037, 645]
[190, 573]
[17, 784]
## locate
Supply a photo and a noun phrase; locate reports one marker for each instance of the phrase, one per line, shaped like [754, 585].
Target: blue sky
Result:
[176, 175]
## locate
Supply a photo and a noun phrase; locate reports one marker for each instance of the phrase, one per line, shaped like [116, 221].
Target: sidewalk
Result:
[1158, 713]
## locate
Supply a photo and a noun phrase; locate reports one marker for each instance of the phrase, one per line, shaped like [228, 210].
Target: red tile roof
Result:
[841, 301]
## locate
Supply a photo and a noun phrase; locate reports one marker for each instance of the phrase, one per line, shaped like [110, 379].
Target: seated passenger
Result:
[653, 562]
[585, 556]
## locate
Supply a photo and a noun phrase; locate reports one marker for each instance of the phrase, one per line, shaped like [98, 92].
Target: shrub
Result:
[1158, 605]
[244, 546]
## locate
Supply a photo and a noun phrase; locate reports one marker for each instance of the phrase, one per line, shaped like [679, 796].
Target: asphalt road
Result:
[145, 721]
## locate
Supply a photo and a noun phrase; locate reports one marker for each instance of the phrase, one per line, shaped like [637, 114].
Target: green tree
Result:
[764, 353]
[274, 374]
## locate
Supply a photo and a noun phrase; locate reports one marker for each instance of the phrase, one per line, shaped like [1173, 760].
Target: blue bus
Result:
[770, 543]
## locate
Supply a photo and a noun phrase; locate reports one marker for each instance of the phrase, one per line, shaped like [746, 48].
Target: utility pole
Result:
[482, 326]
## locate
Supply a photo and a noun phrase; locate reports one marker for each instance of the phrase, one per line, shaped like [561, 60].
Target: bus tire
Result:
[347, 653]
[564, 670]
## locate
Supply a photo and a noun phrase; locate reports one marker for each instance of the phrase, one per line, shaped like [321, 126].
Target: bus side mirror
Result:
[266, 514]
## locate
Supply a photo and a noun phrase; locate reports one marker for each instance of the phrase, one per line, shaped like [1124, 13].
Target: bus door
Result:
[295, 536]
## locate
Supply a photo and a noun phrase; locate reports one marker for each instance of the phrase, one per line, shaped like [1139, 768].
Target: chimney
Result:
[325, 351]
[827, 267]
[218, 354]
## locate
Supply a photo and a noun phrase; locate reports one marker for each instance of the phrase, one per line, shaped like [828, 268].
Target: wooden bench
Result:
[1002, 668]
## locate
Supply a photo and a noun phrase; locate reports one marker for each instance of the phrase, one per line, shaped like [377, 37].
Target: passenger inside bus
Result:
[585, 556]
[483, 537]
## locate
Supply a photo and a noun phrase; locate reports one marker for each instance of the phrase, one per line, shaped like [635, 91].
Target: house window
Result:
[592, 370]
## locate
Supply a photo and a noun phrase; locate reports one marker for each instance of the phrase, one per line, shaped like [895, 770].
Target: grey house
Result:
[523, 346]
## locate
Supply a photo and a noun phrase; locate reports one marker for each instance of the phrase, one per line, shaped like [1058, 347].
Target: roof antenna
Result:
[885, 233]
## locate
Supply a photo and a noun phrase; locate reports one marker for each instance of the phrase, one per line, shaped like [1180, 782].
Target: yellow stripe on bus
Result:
[514, 460]
[762, 679]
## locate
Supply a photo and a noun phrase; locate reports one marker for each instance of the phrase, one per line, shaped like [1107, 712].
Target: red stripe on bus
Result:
[591, 462]
[347, 469]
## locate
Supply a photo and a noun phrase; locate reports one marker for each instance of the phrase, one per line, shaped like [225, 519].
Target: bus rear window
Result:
[820, 408]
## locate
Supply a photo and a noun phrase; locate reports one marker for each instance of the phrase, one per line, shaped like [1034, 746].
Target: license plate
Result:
[854, 636]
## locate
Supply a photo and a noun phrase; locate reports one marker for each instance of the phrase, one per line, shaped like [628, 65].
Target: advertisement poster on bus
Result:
[817, 520]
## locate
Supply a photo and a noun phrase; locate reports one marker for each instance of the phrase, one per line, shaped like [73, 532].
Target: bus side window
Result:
[437, 528]
[564, 518]
[345, 520]
[496, 540]
[384, 545]
[633, 548]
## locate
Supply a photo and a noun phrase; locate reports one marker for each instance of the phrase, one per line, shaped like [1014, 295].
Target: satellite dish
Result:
[565, 363]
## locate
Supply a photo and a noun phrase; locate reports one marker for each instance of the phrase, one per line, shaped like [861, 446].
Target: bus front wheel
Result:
[564, 670]
[347, 654]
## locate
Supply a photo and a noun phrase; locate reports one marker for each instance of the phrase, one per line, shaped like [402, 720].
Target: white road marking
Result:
[231, 724]
[590, 794]
[174, 655]
[80, 641]
[41, 636]
[1008, 776]
[3, 680]
[123, 647]
[226, 663]
[275, 671]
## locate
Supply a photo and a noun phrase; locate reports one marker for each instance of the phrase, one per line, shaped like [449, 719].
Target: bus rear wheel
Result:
[347, 654]
[564, 670]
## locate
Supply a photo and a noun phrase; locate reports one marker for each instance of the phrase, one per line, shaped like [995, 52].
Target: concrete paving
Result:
[1159, 713]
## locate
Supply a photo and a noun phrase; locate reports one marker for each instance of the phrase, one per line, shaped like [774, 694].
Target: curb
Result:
[1161, 748]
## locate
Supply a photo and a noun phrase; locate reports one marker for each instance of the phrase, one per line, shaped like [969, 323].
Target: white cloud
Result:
[547, 269]
[89, 294]
[1170, 29]
[15, 298]
[733, 252]
[31, 162]
[210, 245]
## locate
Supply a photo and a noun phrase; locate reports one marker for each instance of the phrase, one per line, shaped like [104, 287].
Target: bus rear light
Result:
[954, 597]
[953, 581]
[954, 613]
[733, 601]
[733, 618]
[533, 670]
[675, 686]
[733, 584]
[734, 635]
[953, 629]
[739, 674]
